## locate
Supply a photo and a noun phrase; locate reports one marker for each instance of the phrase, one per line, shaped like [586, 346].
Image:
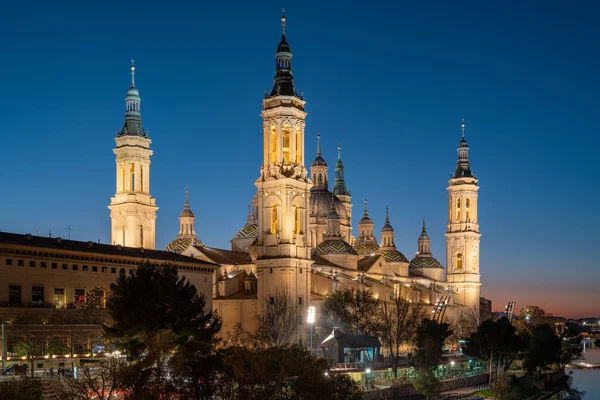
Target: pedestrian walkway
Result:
[465, 391]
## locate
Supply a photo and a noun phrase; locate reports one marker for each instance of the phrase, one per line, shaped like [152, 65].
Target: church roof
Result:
[366, 249]
[365, 263]
[394, 256]
[334, 246]
[178, 245]
[221, 256]
[248, 231]
[425, 262]
[320, 204]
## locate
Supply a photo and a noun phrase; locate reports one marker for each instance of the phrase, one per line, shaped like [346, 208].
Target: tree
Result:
[23, 388]
[571, 348]
[597, 342]
[426, 383]
[494, 341]
[430, 341]
[467, 323]
[159, 320]
[399, 322]
[532, 316]
[278, 322]
[32, 347]
[356, 310]
[543, 350]
[280, 372]
[100, 382]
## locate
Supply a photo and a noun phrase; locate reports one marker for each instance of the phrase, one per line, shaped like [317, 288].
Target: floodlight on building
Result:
[310, 317]
[368, 370]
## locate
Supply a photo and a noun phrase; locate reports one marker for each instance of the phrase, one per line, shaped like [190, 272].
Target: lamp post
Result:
[3, 354]
[310, 318]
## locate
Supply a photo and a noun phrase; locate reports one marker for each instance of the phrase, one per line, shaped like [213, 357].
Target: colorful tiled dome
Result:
[248, 231]
[394, 256]
[365, 249]
[334, 246]
[425, 262]
[178, 245]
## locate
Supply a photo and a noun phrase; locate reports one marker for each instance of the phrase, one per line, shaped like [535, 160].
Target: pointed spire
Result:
[283, 84]
[132, 72]
[424, 243]
[387, 227]
[187, 211]
[339, 186]
[366, 213]
[424, 230]
[319, 144]
[283, 22]
[463, 168]
[133, 118]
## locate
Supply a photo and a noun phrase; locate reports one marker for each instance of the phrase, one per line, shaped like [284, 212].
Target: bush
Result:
[23, 388]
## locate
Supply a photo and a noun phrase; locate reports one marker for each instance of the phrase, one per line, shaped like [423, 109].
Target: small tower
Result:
[319, 170]
[133, 209]
[424, 243]
[187, 220]
[333, 224]
[387, 234]
[424, 264]
[365, 229]
[462, 234]
[342, 193]
[283, 252]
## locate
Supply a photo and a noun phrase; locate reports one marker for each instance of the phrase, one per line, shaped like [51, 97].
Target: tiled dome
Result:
[334, 246]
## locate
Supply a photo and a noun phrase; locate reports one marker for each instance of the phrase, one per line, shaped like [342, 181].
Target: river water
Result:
[588, 380]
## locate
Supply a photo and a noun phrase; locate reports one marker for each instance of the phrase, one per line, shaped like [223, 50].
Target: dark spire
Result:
[284, 82]
[339, 185]
[424, 242]
[387, 227]
[133, 117]
[319, 161]
[463, 169]
[365, 219]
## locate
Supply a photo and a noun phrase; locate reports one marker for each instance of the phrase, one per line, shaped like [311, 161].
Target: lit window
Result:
[273, 145]
[286, 144]
[459, 261]
[273, 219]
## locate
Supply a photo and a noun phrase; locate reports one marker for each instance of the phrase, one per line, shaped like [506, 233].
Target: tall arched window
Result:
[141, 236]
[459, 261]
[132, 176]
[457, 209]
[122, 177]
[141, 178]
[286, 144]
[320, 179]
[468, 209]
[273, 145]
[123, 235]
[298, 219]
[273, 227]
[298, 146]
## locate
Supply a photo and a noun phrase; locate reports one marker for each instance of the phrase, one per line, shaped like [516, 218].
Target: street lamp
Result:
[310, 318]
[3, 353]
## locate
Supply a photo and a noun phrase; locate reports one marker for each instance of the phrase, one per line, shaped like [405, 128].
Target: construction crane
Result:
[510, 309]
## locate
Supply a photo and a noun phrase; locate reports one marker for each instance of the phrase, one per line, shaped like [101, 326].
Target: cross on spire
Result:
[463, 128]
[283, 21]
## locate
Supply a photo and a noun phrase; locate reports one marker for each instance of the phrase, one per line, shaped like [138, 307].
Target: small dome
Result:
[365, 220]
[178, 245]
[387, 227]
[283, 46]
[248, 231]
[366, 249]
[334, 246]
[320, 204]
[425, 262]
[394, 256]
[319, 162]
[187, 212]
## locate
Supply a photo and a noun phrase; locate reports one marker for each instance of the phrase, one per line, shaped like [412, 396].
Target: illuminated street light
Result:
[310, 318]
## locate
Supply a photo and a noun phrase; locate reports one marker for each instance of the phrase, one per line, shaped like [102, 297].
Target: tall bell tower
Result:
[462, 234]
[133, 209]
[283, 247]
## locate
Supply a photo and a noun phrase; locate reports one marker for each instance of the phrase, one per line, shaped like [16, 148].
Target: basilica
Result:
[298, 237]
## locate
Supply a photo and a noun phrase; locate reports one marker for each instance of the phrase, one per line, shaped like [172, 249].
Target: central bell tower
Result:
[283, 249]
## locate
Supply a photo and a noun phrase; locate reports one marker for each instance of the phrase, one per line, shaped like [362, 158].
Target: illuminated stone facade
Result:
[133, 209]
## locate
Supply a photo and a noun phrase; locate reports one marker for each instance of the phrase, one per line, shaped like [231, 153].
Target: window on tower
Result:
[459, 261]
[273, 227]
[457, 209]
[273, 145]
[141, 236]
[141, 178]
[298, 146]
[298, 226]
[468, 209]
[132, 177]
[286, 144]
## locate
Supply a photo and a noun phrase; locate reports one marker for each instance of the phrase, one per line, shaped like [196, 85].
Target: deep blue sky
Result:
[388, 81]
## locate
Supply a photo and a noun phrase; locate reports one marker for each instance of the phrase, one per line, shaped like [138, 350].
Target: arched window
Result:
[122, 166]
[123, 235]
[298, 146]
[468, 208]
[141, 236]
[298, 219]
[315, 178]
[457, 209]
[132, 176]
[273, 145]
[459, 261]
[142, 178]
[320, 179]
[273, 227]
[286, 144]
